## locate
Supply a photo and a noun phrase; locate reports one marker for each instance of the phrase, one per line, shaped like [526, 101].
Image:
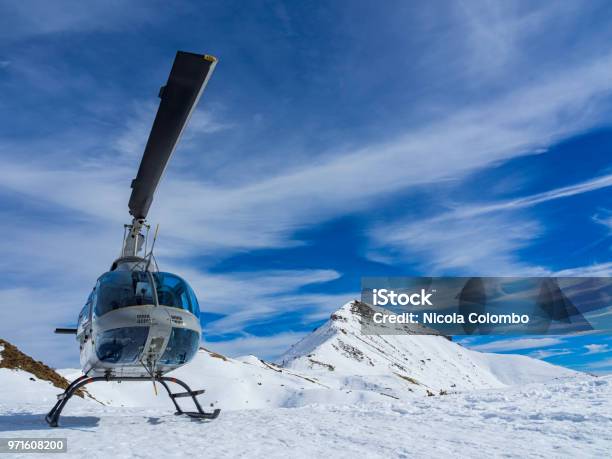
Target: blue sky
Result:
[335, 140]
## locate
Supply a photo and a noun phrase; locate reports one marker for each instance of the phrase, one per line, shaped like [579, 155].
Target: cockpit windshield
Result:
[174, 291]
[119, 289]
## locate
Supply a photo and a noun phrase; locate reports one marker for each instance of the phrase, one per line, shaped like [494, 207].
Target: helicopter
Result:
[140, 323]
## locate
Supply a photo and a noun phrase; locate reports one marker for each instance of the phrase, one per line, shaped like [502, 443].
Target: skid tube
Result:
[52, 417]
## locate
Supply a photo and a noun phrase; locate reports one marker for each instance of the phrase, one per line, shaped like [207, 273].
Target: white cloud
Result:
[267, 210]
[604, 220]
[604, 364]
[252, 298]
[516, 344]
[483, 239]
[30, 18]
[266, 347]
[266, 310]
[476, 246]
[596, 348]
[546, 353]
[594, 270]
[529, 201]
[225, 289]
[28, 317]
[498, 33]
[133, 138]
[204, 121]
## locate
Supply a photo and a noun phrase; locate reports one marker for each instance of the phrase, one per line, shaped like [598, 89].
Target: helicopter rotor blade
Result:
[188, 77]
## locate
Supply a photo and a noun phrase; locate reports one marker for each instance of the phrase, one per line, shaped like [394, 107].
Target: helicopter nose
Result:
[121, 345]
[159, 333]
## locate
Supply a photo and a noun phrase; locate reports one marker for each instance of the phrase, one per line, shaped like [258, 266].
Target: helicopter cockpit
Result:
[120, 289]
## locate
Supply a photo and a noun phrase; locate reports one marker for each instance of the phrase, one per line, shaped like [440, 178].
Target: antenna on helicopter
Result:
[150, 256]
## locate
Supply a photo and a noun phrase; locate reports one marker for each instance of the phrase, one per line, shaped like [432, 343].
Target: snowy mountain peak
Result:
[340, 355]
[352, 315]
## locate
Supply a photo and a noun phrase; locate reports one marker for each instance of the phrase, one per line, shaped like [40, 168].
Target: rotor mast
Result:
[179, 96]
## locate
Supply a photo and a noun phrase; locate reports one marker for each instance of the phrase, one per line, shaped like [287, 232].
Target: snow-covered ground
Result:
[337, 393]
[571, 418]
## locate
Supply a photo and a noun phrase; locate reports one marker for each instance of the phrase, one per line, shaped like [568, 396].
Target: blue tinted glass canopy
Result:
[174, 291]
[119, 289]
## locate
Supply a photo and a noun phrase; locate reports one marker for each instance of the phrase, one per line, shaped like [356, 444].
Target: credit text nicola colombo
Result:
[384, 297]
[453, 318]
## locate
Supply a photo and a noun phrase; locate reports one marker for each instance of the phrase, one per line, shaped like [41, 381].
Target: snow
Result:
[21, 388]
[571, 418]
[336, 393]
[230, 384]
[519, 369]
[386, 361]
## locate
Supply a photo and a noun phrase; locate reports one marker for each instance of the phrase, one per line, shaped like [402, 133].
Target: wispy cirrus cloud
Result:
[132, 138]
[247, 215]
[32, 18]
[515, 344]
[481, 239]
[260, 297]
[603, 366]
[485, 245]
[597, 348]
[592, 270]
[268, 346]
[604, 218]
[593, 184]
[547, 353]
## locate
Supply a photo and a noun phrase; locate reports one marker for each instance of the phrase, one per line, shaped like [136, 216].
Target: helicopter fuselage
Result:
[138, 323]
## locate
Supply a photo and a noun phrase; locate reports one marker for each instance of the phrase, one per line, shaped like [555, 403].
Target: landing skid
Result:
[53, 417]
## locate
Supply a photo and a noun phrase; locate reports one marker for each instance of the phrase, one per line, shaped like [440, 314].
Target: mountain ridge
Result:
[335, 364]
[434, 361]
